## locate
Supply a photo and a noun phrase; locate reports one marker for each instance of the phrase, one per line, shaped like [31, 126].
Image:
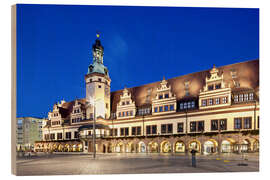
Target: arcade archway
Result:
[166, 147]
[153, 147]
[179, 147]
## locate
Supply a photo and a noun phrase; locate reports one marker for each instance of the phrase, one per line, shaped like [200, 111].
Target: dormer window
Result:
[127, 102]
[218, 86]
[210, 87]
[166, 95]
[160, 97]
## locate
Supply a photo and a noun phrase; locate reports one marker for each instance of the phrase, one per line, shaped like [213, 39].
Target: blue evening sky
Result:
[141, 45]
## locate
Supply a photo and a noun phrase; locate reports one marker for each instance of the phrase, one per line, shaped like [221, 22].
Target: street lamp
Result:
[93, 102]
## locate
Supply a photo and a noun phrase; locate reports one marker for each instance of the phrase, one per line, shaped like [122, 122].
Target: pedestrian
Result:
[193, 159]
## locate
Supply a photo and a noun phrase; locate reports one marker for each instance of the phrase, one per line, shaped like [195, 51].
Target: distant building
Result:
[212, 111]
[29, 130]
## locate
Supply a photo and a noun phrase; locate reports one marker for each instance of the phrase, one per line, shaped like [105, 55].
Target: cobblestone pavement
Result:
[70, 164]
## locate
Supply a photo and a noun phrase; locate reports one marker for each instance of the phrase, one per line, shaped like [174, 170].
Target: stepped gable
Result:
[247, 75]
[67, 107]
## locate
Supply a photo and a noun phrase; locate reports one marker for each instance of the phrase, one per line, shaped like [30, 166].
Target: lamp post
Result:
[186, 129]
[93, 102]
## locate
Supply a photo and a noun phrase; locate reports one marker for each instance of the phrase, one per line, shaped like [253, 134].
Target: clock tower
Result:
[97, 84]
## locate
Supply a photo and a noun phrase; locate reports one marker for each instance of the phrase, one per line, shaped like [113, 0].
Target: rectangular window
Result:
[193, 104]
[214, 125]
[156, 109]
[245, 97]
[172, 107]
[169, 128]
[127, 131]
[139, 130]
[224, 100]
[154, 129]
[52, 136]
[250, 96]
[237, 123]
[218, 86]
[119, 114]
[200, 126]
[235, 98]
[210, 87]
[148, 129]
[151, 129]
[166, 128]
[185, 105]
[131, 113]
[180, 127]
[122, 131]
[258, 122]
[115, 132]
[160, 97]
[192, 126]
[166, 108]
[59, 135]
[163, 128]
[127, 102]
[127, 114]
[123, 114]
[68, 135]
[240, 97]
[217, 101]
[166, 95]
[223, 124]
[76, 134]
[210, 101]
[181, 106]
[189, 105]
[247, 123]
[123, 103]
[204, 102]
[160, 108]
[133, 131]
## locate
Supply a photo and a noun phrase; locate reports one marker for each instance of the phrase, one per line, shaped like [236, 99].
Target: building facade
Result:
[29, 130]
[212, 111]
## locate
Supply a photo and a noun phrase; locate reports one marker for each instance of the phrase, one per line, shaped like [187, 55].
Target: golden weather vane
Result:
[98, 34]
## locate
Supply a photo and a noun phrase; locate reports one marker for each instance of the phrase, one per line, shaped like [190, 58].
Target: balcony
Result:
[91, 136]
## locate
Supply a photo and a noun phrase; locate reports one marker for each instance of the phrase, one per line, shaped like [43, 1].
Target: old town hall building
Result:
[212, 111]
